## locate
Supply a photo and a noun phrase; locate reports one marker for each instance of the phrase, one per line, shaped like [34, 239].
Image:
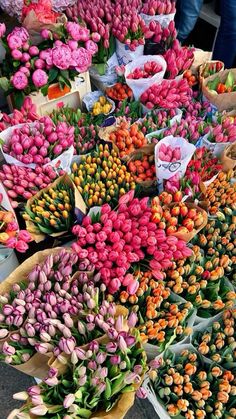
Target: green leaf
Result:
[16, 64]
[229, 82]
[52, 75]
[84, 413]
[18, 99]
[212, 85]
[44, 90]
[108, 389]
[44, 230]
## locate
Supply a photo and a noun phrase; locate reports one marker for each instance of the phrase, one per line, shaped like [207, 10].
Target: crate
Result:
[55, 98]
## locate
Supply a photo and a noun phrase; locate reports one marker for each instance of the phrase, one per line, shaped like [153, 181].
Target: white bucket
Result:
[8, 264]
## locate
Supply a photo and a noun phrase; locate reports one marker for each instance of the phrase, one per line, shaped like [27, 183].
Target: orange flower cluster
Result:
[194, 390]
[218, 341]
[221, 193]
[161, 316]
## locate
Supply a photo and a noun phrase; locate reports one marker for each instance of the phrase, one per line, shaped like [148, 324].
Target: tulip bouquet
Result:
[162, 319]
[98, 17]
[217, 341]
[178, 59]
[52, 210]
[222, 131]
[127, 138]
[157, 120]
[27, 113]
[85, 132]
[188, 128]
[159, 39]
[123, 237]
[159, 7]
[129, 29]
[58, 59]
[105, 372]
[143, 167]
[129, 111]
[180, 219]
[21, 183]
[149, 69]
[10, 235]
[168, 94]
[201, 168]
[201, 280]
[221, 194]
[189, 388]
[101, 177]
[40, 142]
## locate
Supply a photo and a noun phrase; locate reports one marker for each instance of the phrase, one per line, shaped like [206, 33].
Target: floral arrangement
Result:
[217, 341]
[186, 386]
[178, 59]
[153, 8]
[129, 29]
[220, 194]
[59, 58]
[164, 37]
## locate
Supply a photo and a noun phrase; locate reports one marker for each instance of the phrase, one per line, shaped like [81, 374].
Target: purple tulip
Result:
[122, 344]
[69, 400]
[67, 345]
[92, 365]
[8, 349]
[94, 346]
[101, 357]
[132, 319]
[111, 347]
[82, 380]
[141, 393]
[7, 309]
[115, 359]
[33, 391]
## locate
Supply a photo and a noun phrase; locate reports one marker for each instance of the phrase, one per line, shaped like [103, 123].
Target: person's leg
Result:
[186, 17]
[225, 44]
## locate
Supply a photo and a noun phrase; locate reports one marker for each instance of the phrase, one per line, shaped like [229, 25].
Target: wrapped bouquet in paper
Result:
[54, 210]
[228, 157]
[143, 72]
[162, 12]
[172, 155]
[141, 164]
[220, 89]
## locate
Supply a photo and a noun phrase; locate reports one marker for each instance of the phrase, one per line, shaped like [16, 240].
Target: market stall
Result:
[118, 197]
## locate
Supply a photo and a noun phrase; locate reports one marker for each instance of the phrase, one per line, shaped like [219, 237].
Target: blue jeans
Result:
[186, 17]
[225, 44]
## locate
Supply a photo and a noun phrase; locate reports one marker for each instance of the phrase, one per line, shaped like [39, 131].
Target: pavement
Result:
[13, 381]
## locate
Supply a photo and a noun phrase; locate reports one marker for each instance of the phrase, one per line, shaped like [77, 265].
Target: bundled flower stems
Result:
[139, 300]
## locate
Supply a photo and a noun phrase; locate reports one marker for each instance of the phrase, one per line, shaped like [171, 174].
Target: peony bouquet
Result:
[58, 59]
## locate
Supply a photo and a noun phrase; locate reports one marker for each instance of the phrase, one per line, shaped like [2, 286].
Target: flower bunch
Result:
[201, 280]
[40, 142]
[178, 218]
[143, 168]
[178, 59]
[161, 318]
[104, 371]
[127, 138]
[59, 58]
[22, 183]
[129, 29]
[164, 37]
[27, 113]
[188, 128]
[168, 94]
[186, 386]
[149, 69]
[159, 7]
[157, 119]
[223, 131]
[43, 11]
[217, 342]
[85, 132]
[52, 210]
[220, 194]
[119, 91]
[123, 237]
[201, 168]
[129, 111]
[101, 177]
[10, 235]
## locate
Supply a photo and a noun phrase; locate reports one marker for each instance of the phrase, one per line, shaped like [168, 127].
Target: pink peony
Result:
[91, 47]
[24, 235]
[61, 57]
[46, 34]
[33, 50]
[39, 77]
[81, 59]
[72, 44]
[16, 54]
[95, 36]
[14, 42]
[47, 56]
[21, 246]
[11, 243]
[2, 29]
[19, 80]
[77, 32]
[39, 63]
[21, 33]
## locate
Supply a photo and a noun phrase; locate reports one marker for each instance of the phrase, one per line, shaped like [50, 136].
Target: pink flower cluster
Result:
[178, 59]
[73, 51]
[39, 143]
[222, 131]
[168, 153]
[20, 242]
[129, 29]
[164, 36]
[168, 94]
[22, 183]
[27, 113]
[158, 7]
[124, 237]
[188, 128]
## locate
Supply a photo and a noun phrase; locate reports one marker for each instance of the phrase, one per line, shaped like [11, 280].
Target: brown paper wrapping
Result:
[34, 26]
[36, 234]
[223, 101]
[227, 162]
[203, 66]
[37, 366]
[188, 236]
[200, 57]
